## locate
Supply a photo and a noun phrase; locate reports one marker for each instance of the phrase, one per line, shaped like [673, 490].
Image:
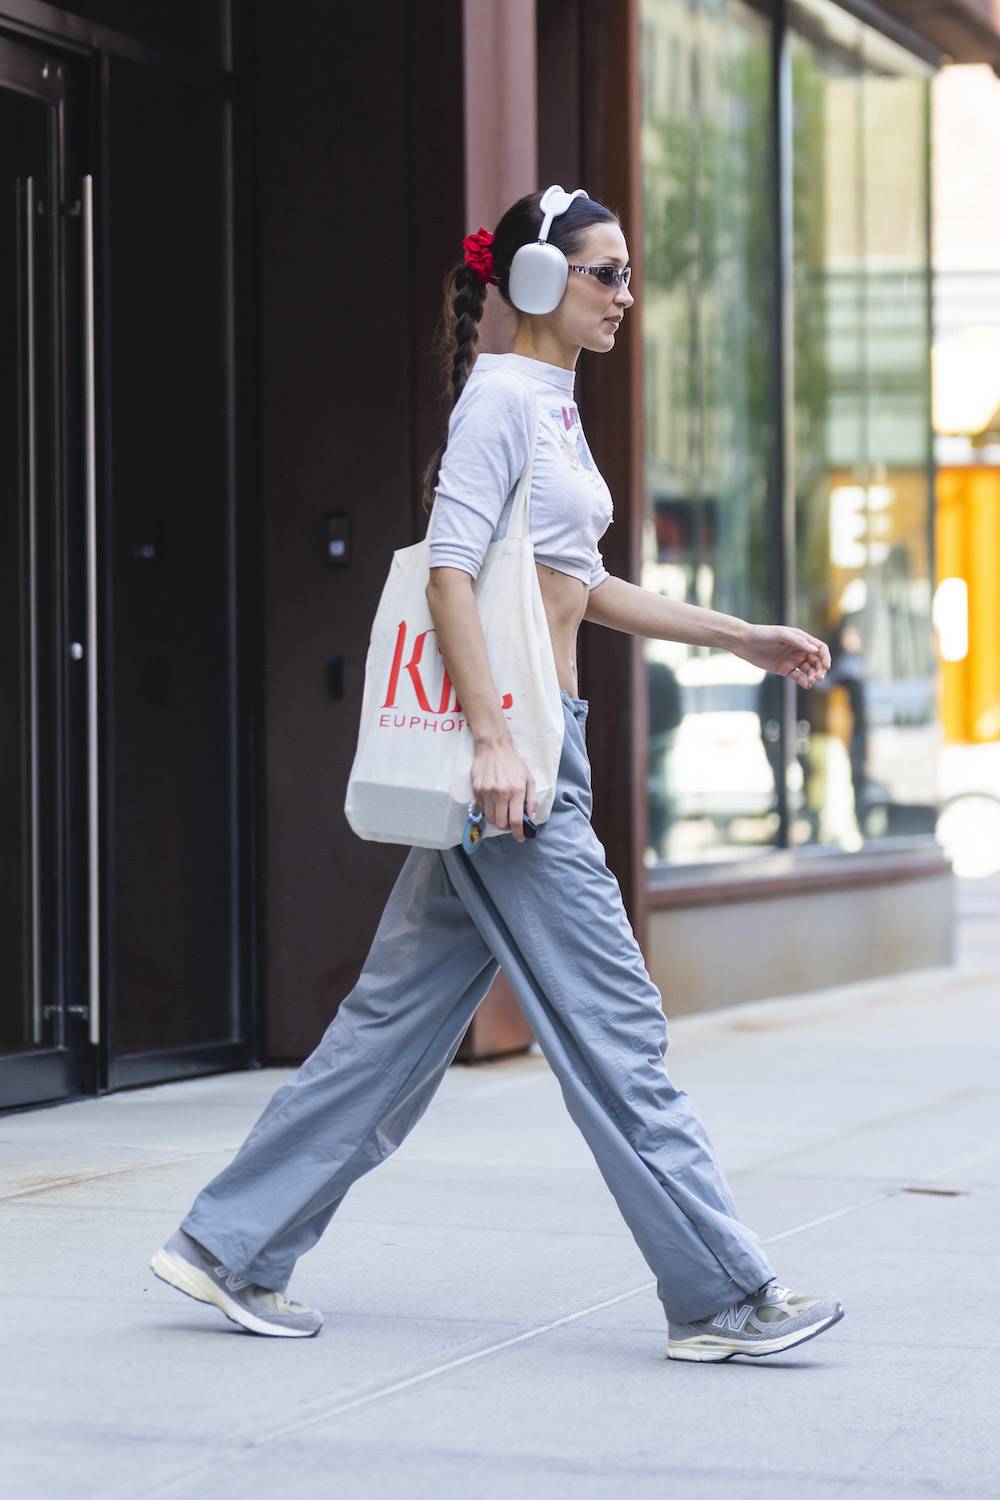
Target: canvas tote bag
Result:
[410, 782]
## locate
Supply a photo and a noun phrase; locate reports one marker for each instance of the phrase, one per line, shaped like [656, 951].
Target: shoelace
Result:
[285, 1304]
[772, 1292]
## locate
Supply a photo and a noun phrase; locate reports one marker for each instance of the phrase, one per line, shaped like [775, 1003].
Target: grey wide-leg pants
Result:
[550, 912]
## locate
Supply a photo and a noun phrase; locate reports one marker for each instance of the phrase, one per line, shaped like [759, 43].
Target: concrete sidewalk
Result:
[490, 1323]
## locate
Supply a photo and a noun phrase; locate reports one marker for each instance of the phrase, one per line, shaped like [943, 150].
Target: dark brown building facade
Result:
[225, 228]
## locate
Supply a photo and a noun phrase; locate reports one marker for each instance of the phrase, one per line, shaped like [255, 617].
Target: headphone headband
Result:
[555, 201]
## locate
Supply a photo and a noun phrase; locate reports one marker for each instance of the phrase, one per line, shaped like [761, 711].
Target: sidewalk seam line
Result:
[253, 1445]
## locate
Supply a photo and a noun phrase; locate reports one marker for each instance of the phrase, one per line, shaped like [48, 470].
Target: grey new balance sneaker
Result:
[183, 1263]
[772, 1319]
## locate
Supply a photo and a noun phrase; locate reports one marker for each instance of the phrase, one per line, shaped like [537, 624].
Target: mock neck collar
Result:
[538, 369]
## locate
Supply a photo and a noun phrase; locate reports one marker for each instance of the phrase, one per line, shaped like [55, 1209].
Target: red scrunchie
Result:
[478, 255]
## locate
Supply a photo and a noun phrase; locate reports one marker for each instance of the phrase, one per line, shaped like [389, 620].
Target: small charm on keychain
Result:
[472, 835]
[473, 831]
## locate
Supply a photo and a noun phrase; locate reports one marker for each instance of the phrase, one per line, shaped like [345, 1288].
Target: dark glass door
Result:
[44, 645]
[125, 904]
[177, 986]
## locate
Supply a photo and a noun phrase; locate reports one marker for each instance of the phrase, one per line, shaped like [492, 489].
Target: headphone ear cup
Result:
[538, 275]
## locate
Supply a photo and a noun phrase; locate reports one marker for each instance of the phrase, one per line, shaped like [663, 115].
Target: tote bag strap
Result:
[520, 510]
[520, 513]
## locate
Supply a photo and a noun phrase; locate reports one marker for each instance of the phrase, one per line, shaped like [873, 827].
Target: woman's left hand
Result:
[786, 650]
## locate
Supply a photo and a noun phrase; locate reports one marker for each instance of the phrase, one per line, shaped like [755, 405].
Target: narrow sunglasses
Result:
[607, 275]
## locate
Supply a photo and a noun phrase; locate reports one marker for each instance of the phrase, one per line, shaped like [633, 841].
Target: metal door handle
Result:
[25, 195]
[90, 488]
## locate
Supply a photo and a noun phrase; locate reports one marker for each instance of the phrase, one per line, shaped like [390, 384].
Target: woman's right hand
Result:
[504, 787]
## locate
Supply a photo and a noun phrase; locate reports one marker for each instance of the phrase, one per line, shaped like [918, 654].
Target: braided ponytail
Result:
[455, 346]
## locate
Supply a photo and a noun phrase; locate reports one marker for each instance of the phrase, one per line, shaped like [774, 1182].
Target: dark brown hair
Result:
[457, 333]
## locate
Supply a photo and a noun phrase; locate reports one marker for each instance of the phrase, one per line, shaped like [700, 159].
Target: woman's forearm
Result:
[625, 606]
[462, 644]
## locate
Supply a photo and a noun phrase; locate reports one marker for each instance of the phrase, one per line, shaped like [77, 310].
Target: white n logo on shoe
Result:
[233, 1282]
[733, 1318]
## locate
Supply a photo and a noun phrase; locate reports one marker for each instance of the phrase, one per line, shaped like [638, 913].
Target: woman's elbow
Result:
[446, 578]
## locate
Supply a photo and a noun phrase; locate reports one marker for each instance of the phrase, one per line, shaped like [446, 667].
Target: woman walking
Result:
[545, 908]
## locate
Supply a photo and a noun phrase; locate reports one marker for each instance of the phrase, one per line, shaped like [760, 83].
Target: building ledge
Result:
[791, 873]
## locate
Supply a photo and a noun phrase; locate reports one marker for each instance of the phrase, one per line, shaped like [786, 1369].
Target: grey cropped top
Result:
[488, 436]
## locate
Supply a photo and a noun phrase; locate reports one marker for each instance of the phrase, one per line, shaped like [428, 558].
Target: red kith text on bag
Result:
[415, 674]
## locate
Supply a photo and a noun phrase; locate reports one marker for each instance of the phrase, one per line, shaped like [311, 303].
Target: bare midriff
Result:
[565, 600]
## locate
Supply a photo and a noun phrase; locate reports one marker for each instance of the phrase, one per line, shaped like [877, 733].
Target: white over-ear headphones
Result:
[538, 271]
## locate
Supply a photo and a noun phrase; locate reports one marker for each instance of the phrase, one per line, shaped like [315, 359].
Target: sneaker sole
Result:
[186, 1278]
[714, 1350]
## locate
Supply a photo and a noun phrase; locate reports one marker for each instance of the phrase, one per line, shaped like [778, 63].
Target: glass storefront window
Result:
[708, 323]
[866, 740]
[857, 396]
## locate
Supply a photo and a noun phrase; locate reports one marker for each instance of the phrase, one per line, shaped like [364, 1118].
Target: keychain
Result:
[473, 832]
